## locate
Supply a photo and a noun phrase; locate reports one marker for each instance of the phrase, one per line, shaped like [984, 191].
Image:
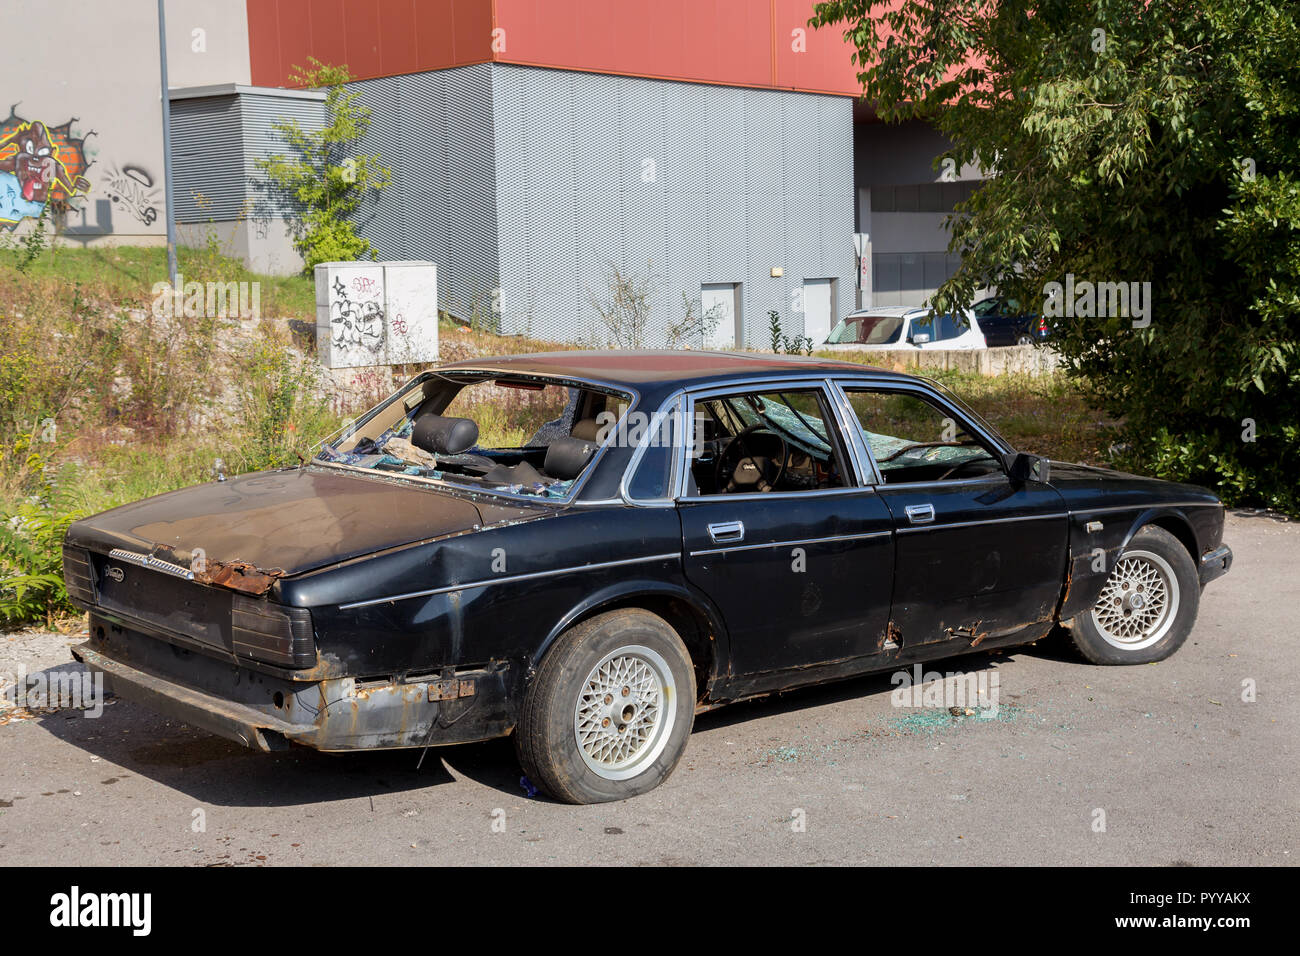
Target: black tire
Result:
[1025, 339]
[546, 739]
[1098, 632]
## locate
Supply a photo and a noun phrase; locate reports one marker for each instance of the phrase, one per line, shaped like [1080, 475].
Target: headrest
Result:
[588, 429]
[443, 436]
[566, 457]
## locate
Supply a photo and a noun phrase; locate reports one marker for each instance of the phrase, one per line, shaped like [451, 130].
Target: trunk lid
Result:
[288, 521]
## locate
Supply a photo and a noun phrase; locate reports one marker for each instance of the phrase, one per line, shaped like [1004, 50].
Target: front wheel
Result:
[1147, 606]
[609, 711]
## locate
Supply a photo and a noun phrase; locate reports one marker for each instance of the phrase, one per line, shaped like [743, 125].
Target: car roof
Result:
[663, 370]
[894, 311]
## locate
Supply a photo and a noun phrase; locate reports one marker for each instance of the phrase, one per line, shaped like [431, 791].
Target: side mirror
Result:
[1022, 467]
[919, 338]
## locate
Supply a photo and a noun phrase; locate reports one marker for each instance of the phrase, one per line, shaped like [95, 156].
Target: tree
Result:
[625, 306]
[1126, 141]
[325, 180]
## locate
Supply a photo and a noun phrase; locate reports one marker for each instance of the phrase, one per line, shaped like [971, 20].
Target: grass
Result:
[126, 275]
[1046, 415]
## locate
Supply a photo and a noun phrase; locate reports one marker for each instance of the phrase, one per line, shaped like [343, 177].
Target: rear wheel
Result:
[1147, 606]
[609, 712]
[1025, 339]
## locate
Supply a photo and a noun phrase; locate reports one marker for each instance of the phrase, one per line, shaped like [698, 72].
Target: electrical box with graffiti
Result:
[376, 313]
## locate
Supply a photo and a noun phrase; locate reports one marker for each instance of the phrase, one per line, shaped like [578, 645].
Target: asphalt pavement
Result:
[1190, 761]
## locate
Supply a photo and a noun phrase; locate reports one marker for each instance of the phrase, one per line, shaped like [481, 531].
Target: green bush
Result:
[31, 558]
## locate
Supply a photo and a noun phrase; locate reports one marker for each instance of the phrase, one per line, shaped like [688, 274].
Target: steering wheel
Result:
[754, 467]
[958, 467]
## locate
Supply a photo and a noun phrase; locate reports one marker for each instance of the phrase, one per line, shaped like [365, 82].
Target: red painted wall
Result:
[730, 42]
[373, 37]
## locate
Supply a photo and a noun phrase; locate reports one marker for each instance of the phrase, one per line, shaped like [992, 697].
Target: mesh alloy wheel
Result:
[624, 713]
[1138, 603]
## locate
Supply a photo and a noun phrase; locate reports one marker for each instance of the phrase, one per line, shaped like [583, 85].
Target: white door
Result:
[818, 299]
[718, 300]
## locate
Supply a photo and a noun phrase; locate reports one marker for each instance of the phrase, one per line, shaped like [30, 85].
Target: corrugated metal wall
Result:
[435, 131]
[693, 184]
[216, 141]
[208, 159]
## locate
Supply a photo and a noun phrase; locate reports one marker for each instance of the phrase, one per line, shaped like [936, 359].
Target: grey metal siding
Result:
[259, 114]
[435, 132]
[527, 184]
[208, 159]
[216, 141]
[690, 183]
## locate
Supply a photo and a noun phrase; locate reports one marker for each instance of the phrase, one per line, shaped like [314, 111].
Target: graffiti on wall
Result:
[131, 189]
[357, 315]
[39, 165]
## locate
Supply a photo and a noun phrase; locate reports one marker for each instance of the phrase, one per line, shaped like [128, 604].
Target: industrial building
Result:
[721, 151]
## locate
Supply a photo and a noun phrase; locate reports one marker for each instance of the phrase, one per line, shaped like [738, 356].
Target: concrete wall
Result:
[1008, 360]
[96, 66]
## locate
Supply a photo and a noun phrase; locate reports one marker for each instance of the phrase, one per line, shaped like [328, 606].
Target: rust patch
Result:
[452, 689]
[238, 576]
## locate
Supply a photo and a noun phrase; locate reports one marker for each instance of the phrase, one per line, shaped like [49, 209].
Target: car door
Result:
[976, 554]
[801, 571]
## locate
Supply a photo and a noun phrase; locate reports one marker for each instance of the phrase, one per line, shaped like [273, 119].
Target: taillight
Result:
[1042, 324]
[272, 632]
[76, 575]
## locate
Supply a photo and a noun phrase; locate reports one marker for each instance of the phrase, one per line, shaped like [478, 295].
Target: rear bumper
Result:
[242, 724]
[1215, 564]
[268, 713]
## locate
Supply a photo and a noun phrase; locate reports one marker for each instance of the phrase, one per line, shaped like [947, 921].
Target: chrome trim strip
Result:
[1000, 478]
[864, 465]
[778, 495]
[509, 579]
[1148, 504]
[970, 524]
[151, 562]
[785, 544]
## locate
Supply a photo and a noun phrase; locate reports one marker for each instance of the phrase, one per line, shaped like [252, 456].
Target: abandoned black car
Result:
[670, 532]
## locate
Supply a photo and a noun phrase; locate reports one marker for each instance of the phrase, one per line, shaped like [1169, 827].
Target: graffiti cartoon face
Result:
[36, 164]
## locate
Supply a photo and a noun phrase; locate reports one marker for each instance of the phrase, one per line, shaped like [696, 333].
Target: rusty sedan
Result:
[680, 530]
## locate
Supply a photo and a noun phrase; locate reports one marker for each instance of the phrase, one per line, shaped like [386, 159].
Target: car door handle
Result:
[920, 514]
[727, 531]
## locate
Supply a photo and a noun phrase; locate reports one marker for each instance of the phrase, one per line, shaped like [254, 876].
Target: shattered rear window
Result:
[508, 448]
